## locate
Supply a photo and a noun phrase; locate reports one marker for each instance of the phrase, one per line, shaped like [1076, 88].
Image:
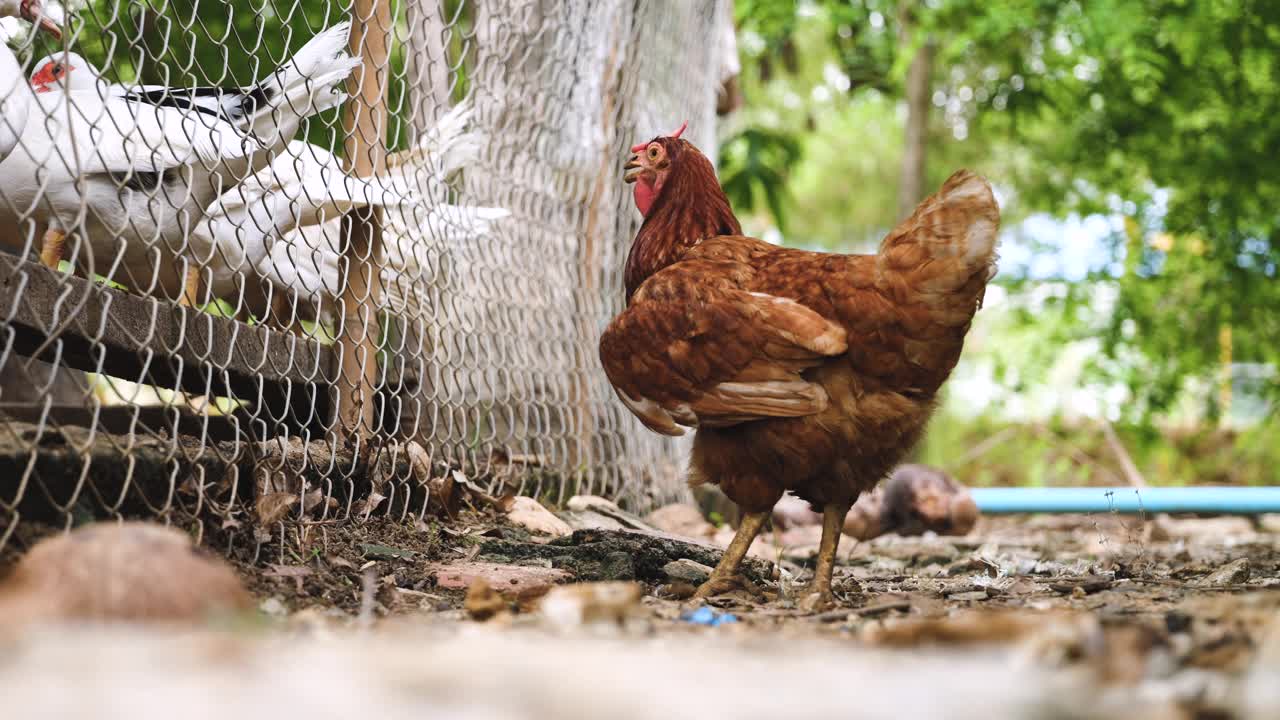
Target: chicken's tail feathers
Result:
[946, 247]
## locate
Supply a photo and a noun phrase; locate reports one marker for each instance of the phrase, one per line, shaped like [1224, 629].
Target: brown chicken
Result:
[806, 372]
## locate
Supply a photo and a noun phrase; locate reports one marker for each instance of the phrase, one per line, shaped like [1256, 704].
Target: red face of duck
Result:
[50, 75]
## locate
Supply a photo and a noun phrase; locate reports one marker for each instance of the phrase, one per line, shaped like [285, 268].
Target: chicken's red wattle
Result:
[644, 194]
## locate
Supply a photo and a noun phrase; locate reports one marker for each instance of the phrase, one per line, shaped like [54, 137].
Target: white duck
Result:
[303, 186]
[15, 101]
[151, 159]
[285, 222]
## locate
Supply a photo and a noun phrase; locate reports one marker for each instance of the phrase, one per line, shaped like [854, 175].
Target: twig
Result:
[985, 446]
[1131, 472]
[367, 586]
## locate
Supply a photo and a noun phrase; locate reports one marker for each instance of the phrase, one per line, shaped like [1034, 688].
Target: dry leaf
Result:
[365, 507]
[273, 507]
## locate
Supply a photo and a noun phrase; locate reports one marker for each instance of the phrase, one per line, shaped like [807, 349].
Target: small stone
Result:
[1232, 573]
[680, 519]
[587, 603]
[274, 607]
[581, 503]
[529, 513]
[969, 596]
[686, 571]
[513, 581]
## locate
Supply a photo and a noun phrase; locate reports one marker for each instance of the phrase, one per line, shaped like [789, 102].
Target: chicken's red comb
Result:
[641, 146]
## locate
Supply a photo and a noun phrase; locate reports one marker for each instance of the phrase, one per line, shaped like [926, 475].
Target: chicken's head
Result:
[650, 165]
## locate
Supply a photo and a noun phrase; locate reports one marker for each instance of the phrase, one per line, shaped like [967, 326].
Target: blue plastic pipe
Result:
[1128, 500]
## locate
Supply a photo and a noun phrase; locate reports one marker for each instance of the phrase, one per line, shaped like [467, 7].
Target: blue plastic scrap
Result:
[706, 616]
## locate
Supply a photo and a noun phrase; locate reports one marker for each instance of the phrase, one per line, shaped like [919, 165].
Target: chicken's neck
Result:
[690, 208]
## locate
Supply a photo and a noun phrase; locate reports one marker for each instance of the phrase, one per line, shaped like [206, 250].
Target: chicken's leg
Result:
[190, 286]
[51, 248]
[818, 596]
[725, 577]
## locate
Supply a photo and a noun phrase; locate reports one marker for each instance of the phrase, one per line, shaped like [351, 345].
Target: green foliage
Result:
[1163, 112]
[989, 452]
[757, 163]
[1173, 124]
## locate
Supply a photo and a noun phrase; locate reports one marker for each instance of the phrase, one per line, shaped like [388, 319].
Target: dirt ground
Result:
[1055, 617]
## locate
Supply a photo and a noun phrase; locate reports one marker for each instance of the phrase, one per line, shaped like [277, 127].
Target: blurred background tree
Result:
[1131, 144]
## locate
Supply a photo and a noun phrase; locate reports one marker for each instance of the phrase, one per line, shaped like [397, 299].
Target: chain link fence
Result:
[380, 255]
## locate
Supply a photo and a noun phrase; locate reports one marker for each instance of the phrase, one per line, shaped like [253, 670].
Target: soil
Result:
[1175, 624]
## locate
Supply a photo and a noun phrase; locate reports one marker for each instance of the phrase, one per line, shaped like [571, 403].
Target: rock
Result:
[599, 508]
[686, 571]
[590, 520]
[516, 582]
[1269, 522]
[592, 502]
[598, 554]
[529, 513]
[680, 519]
[1232, 573]
[123, 572]
[587, 603]
[618, 566]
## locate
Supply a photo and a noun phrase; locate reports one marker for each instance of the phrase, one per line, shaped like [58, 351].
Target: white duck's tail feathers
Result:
[444, 149]
[310, 82]
[325, 52]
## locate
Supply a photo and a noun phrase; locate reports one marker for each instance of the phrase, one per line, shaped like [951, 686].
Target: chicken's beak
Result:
[33, 11]
[633, 168]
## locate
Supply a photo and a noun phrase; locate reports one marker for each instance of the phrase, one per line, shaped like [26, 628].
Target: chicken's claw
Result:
[816, 600]
[725, 584]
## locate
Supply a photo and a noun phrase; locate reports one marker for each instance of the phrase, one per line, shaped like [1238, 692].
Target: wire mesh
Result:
[279, 260]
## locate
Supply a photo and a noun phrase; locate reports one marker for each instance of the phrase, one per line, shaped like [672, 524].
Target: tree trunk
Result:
[919, 82]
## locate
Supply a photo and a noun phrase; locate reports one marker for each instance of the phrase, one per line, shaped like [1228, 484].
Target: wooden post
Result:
[364, 120]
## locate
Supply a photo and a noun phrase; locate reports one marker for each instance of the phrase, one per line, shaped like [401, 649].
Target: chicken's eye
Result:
[653, 152]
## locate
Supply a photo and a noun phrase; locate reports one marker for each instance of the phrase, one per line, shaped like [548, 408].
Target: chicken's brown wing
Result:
[694, 350]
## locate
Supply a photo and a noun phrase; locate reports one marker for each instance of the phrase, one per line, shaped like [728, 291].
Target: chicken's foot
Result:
[51, 248]
[819, 597]
[725, 577]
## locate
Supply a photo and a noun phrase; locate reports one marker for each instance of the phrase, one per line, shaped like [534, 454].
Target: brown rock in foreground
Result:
[136, 572]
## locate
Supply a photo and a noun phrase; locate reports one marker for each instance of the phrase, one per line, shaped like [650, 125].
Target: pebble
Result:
[686, 571]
